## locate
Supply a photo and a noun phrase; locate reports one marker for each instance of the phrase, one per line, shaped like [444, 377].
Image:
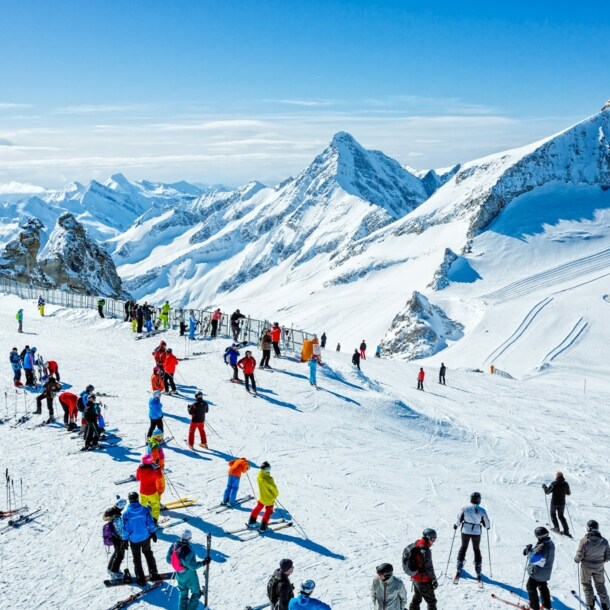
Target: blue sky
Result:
[240, 90]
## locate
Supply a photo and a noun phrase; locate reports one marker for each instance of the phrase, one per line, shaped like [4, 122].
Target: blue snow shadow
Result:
[557, 604]
[262, 393]
[187, 453]
[305, 543]
[121, 453]
[461, 271]
[337, 376]
[341, 397]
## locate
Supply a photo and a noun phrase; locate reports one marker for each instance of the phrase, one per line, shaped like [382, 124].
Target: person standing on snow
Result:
[471, 519]
[159, 354]
[247, 364]
[147, 312]
[378, 352]
[338, 347]
[182, 558]
[231, 357]
[424, 580]
[19, 318]
[420, 379]
[323, 346]
[387, 591]
[91, 431]
[266, 347]
[593, 551]
[540, 560]
[15, 361]
[155, 413]
[356, 359]
[192, 324]
[41, 306]
[313, 369]
[197, 411]
[276, 336]
[237, 467]
[139, 318]
[304, 600]
[164, 315]
[113, 536]
[267, 495]
[100, 307]
[154, 448]
[169, 365]
[156, 380]
[215, 321]
[29, 362]
[236, 316]
[363, 350]
[279, 588]
[558, 489]
[149, 475]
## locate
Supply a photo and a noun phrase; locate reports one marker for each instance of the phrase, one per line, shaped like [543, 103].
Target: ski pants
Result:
[168, 380]
[214, 328]
[164, 320]
[312, 376]
[230, 495]
[588, 574]
[66, 409]
[249, 377]
[363, 354]
[276, 348]
[558, 510]
[29, 376]
[155, 423]
[49, 398]
[139, 548]
[476, 547]
[92, 434]
[188, 582]
[41, 310]
[265, 358]
[148, 325]
[235, 372]
[153, 502]
[257, 510]
[441, 379]
[533, 586]
[20, 329]
[193, 428]
[116, 559]
[134, 325]
[100, 310]
[235, 331]
[16, 374]
[420, 385]
[422, 591]
[139, 322]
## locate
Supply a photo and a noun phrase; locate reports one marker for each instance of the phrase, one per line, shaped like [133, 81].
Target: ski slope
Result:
[362, 465]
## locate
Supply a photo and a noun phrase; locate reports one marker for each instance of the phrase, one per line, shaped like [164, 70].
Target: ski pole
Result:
[207, 423]
[293, 519]
[489, 553]
[548, 512]
[578, 578]
[450, 551]
[524, 572]
[249, 481]
[570, 516]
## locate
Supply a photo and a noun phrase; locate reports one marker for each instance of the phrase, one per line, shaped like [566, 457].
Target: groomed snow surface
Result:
[362, 465]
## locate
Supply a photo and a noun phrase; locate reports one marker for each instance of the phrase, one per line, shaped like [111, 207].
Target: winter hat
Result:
[266, 466]
[120, 503]
[386, 569]
[147, 459]
[157, 393]
[157, 432]
[285, 565]
[89, 388]
[186, 535]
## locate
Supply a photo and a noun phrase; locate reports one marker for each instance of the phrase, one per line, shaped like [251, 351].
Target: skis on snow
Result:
[510, 603]
[180, 503]
[132, 598]
[255, 532]
[582, 602]
[220, 508]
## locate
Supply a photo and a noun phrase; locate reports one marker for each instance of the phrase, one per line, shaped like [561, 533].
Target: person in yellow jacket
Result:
[164, 315]
[267, 494]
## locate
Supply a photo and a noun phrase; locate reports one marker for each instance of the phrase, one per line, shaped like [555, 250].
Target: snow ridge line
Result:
[568, 341]
[525, 324]
[561, 273]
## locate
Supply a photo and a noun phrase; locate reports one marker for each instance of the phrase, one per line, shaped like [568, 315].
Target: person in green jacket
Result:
[19, 318]
[182, 558]
[100, 307]
[267, 494]
[164, 315]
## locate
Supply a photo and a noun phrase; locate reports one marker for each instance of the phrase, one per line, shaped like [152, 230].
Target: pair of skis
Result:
[180, 503]
[250, 533]
[138, 595]
[220, 508]
[458, 576]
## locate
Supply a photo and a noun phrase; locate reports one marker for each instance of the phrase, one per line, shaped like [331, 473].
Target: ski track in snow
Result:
[362, 465]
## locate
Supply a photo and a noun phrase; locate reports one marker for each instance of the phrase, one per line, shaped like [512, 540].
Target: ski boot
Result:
[204, 445]
[556, 530]
[251, 522]
[116, 577]
[192, 447]
[477, 568]
[264, 527]
[37, 412]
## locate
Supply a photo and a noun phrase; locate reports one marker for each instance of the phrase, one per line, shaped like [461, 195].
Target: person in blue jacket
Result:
[192, 324]
[155, 413]
[15, 361]
[313, 369]
[540, 559]
[231, 358]
[29, 362]
[138, 530]
[304, 600]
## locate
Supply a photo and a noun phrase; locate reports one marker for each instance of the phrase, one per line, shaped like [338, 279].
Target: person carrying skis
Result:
[540, 560]
[363, 350]
[558, 489]
[323, 346]
[423, 579]
[441, 373]
[149, 475]
[112, 533]
[68, 402]
[237, 467]
[19, 318]
[138, 530]
[231, 356]
[471, 519]
[313, 369]
[159, 354]
[279, 588]
[266, 347]
[100, 307]
[420, 378]
[91, 432]
[236, 316]
[170, 364]
[41, 306]
[387, 591]
[192, 324]
[164, 314]
[155, 413]
[48, 392]
[267, 495]
[15, 361]
[157, 380]
[247, 364]
[356, 359]
[276, 336]
[197, 411]
[215, 321]
[593, 551]
[182, 558]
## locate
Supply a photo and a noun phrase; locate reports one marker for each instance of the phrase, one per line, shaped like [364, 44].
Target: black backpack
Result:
[412, 559]
[272, 588]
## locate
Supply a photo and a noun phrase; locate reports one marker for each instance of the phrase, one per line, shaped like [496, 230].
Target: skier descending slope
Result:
[593, 551]
[419, 555]
[471, 519]
[558, 489]
[540, 560]
[387, 591]
[267, 495]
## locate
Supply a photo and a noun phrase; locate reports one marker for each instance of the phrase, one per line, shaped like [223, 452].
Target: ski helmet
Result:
[133, 496]
[89, 388]
[186, 535]
[307, 587]
[385, 569]
[541, 532]
[199, 395]
[157, 432]
[266, 466]
[120, 503]
[592, 526]
[475, 497]
[33, 349]
[429, 534]
[157, 393]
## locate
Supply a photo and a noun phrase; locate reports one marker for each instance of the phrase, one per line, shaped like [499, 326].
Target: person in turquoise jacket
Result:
[182, 558]
[313, 364]
[304, 600]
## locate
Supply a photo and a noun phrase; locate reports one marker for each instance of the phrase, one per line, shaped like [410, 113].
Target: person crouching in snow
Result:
[267, 494]
[236, 469]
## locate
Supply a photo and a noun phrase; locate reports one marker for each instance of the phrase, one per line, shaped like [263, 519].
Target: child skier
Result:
[113, 536]
[313, 365]
[149, 474]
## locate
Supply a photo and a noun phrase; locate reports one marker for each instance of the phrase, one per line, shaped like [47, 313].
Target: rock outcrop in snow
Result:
[441, 279]
[18, 260]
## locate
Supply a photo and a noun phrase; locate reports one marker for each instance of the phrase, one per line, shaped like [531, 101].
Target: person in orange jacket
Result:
[148, 473]
[237, 467]
[247, 364]
[159, 354]
[276, 335]
[420, 379]
[169, 365]
[156, 379]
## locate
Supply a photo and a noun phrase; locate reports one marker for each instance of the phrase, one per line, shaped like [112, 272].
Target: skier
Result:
[266, 347]
[19, 318]
[363, 350]
[155, 450]
[127, 310]
[441, 373]
[237, 467]
[338, 347]
[29, 362]
[41, 306]
[160, 353]
[197, 411]
[215, 320]
[112, 533]
[247, 364]
[420, 379]
[68, 401]
[279, 588]
[182, 558]
[267, 494]
[313, 364]
[164, 315]
[356, 359]
[593, 551]
[276, 335]
[424, 580]
[52, 368]
[236, 316]
[387, 592]
[15, 361]
[559, 489]
[539, 567]
[48, 392]
[139, 318]
[231, 356]
[304, 599]
[378, 351]
[91, 432]
[149, 474]
[100, 307]
[147, 314]
[323, 346]
[471, 519]
[138, 530]
[182, 328]
[155, 412]
[170, 364]
[156, 380]
[192, 324]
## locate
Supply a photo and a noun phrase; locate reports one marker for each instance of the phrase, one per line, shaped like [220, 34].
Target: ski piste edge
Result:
[132, 598]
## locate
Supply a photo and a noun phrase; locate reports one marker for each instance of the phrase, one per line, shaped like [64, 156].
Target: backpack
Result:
[79, 404]
[272, 589]
[412, 559]
[175, 560]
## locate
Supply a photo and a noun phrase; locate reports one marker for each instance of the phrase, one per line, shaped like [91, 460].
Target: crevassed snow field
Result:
[362, 465]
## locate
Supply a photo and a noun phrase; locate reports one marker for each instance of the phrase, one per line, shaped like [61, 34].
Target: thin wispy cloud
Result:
[10, 106]
[307, 103]
[97, 108]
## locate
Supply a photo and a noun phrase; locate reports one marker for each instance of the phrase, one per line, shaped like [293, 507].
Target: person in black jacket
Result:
[90, 415]
[356, 359]
[441, 373]
[558, 489]
[279, 588]
[323, 341]
[197, 411]
[236, 316]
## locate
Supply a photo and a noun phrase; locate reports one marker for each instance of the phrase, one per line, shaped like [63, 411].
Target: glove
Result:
[125, 545]
[207, 561]
[154, 537]
[544, 487]
[527, 549]
[434, 583]
[454, 526]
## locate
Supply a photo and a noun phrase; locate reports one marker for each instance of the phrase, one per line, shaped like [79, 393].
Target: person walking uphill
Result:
[387, 591]
[247, 364]
[420, 379]
[197, 411]
[185, 564]
[155, 413]
[593, 551]
[417, 561]
[471, 519]
[558, 489]
[237, 467]
[100, 307]
[267, 495]
[540, 560]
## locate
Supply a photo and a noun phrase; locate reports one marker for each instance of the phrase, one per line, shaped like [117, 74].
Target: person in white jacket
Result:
[472, 518]
[388, 592]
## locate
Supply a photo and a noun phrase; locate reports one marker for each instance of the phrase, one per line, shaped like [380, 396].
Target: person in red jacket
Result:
[215, 320]
[247, 364]
[52, 368]
[159, 354]
[68, 401]
[424, 580]
[156, 379]
[170, 364]
[420, 379]
[276, 335]
[148, 473]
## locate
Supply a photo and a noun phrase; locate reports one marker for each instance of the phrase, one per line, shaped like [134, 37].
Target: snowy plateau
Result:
[501, 261]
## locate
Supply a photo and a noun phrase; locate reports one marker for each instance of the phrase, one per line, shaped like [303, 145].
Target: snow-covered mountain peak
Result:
[606, 106]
